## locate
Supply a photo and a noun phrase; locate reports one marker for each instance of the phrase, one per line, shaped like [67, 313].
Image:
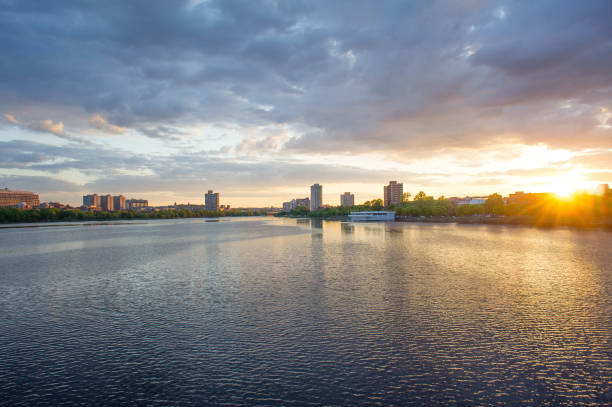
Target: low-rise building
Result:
[136, 203]
[471, 200]
[523, 198]
[24, 199]
[56, 205]
[294, 203]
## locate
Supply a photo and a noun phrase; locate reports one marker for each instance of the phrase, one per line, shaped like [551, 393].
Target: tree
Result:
[494, 204]
[406, 196]
[420, 196]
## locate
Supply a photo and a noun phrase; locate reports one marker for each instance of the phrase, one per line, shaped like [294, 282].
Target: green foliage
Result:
[16, 215]
[494, 204]
[424, 205]
[420, 196]
[469, 210]
[373, 205]
[299, 211]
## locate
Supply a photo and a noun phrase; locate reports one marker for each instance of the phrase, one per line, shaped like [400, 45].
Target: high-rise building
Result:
[91, 200]
[10, 198]
[316, 197]
[347, 199]
[211, 201]
[393, 193]
[106, 202]
[119, 202]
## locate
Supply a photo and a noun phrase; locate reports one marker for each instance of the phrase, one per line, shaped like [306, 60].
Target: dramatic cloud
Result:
[271, 84]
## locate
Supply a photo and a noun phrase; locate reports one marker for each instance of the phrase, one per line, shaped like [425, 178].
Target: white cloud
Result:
[100, 123]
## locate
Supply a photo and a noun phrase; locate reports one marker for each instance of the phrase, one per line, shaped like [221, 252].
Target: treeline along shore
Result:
[581, 210]
[16, 215]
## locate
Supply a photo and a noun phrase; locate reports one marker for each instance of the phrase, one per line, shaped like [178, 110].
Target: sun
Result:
[564, 186]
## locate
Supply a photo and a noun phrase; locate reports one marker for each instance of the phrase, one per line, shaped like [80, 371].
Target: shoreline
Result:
[602, 223]
[516, 220]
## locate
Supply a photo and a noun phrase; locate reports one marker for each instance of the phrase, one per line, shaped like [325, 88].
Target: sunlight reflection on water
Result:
[284, 311]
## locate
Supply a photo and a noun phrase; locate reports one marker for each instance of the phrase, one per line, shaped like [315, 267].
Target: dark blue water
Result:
[273, 312]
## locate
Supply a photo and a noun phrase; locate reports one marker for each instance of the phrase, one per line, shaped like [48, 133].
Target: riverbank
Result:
[16, 215]
[523, 220]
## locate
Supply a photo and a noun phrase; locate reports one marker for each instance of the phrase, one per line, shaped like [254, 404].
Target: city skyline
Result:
[258, 100]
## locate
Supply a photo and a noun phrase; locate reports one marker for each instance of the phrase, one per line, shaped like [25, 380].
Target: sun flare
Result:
[566, 185]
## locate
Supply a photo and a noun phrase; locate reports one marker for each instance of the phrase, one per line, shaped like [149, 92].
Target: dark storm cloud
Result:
[371, 75]
[412, 79]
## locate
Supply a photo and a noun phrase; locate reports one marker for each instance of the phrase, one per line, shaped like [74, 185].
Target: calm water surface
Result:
[268, 311]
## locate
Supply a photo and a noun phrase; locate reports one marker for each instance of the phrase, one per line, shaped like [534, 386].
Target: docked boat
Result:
[372, 216]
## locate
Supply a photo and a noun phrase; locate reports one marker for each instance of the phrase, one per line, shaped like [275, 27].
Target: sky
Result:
[258, 100]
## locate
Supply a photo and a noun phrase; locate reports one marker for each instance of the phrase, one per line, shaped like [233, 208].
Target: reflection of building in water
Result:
[316, 223]
[347, 228]
[347, 199]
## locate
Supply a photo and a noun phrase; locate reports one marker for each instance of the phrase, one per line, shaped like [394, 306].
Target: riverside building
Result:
[136, 203]
[393, 193]
[347, 199]
[106, 203]
[91, 200]
[10, 198]
[316, 197]
[119, 202]
[294, 203]
[211, 201]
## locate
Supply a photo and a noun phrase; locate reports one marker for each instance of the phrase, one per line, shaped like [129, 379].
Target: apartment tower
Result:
[211, 201]
[347, 199]
[393, 193]
[91, 200]
[106, 202]
[316, 197]
[119, 202]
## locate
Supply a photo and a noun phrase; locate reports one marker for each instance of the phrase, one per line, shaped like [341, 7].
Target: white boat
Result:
[372, 215]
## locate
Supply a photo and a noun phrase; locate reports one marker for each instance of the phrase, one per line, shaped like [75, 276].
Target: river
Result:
[304, 312]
